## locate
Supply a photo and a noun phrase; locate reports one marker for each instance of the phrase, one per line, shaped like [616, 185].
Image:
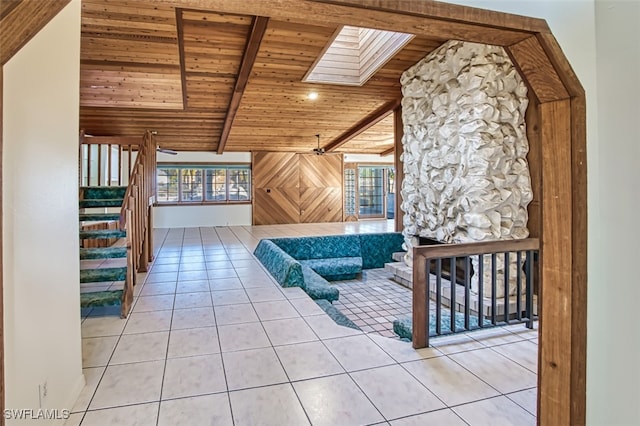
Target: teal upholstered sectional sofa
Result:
[310, 262]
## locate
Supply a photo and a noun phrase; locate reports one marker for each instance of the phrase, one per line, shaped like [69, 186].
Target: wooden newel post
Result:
[420, 302]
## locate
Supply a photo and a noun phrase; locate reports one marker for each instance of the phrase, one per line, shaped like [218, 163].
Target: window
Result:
[167, 185]
[203, 183]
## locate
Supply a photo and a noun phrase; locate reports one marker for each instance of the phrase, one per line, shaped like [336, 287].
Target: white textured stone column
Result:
[465, 171]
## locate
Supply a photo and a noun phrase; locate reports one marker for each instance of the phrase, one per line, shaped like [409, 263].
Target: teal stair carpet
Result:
[101, 197]
[103, 253]
[102, 234]
[403, 327]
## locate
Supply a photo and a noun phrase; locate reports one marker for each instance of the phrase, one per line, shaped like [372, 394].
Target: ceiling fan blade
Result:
[166, 151]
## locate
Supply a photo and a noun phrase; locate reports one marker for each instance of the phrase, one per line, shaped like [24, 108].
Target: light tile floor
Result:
[374, 301]
[213, 340]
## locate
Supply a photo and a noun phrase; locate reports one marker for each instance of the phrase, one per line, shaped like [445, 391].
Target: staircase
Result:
[116, 222]
[106, 245]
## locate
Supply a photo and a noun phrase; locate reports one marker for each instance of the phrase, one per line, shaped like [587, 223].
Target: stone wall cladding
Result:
[465, 147]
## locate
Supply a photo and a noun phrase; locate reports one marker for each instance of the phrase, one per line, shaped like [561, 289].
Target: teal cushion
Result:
[378, 248]
[335, 268]
[317, 287]
[285, 269]
[305, 248]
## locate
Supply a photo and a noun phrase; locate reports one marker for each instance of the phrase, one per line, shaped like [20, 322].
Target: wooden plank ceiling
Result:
[152, 66]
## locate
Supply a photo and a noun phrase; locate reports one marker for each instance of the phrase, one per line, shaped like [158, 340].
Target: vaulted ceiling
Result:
[211, 81]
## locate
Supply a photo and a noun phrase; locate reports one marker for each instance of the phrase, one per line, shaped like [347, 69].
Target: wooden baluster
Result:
[420, 302]
[99, 164]
[119, 165]
[109, 154]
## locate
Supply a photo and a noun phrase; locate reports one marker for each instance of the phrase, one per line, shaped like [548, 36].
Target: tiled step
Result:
[102, 274]
[102, 234]
[102, 192]
[103, 253]
[100, 298]
[92, 217]
[102, 202]
[398, 256]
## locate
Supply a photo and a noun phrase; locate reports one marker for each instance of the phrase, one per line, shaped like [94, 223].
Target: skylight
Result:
[354, 55]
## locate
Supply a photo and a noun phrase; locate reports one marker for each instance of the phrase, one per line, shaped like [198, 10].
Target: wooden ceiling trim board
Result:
[183, 72]
[20, 23]
[388, 151]
[370, 120]
[455, 13]
[130, 37]
[121, 65]
[311, 12]
[258, 28]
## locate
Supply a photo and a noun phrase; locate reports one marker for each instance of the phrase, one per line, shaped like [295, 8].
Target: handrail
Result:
[422, 259]
[136, 216]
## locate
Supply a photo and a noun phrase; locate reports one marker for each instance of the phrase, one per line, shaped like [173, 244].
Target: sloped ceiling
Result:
[146, 65]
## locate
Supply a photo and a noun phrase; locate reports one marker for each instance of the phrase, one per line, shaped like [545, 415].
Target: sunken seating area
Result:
[311, 262]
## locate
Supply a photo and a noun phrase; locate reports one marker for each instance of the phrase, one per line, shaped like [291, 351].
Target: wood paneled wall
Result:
[296, 188]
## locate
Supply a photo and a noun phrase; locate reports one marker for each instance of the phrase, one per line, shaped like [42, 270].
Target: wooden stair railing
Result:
[135, 222]
[136, 216]
[428, 261]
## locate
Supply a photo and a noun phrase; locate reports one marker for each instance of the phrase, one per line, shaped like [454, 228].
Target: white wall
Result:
[203, 215]
[613, 356]
[368, 159]
[601, 42]
[40, 218]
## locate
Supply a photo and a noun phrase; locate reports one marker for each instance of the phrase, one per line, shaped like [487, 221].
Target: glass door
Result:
[371, 192]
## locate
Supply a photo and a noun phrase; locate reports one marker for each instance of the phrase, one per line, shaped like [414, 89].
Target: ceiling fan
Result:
[318, 150]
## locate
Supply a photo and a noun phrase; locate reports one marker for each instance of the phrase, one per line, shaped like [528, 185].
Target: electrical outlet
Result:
[43, 391]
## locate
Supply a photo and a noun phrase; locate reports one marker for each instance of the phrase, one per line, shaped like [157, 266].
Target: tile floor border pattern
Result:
[291, 381]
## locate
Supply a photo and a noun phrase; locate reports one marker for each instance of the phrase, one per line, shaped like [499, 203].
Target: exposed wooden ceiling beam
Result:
[387, 151]
[256, 34]
[370, 120]
[183, 72]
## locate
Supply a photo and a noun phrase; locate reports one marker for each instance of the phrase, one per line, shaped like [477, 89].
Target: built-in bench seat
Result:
[310, 262]
[334, 257]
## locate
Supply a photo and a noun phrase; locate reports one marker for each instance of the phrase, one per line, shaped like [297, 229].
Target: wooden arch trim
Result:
[561, 115]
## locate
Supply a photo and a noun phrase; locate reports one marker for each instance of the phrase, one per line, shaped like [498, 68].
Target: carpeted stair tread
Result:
[102, 202]
[102, 274]
[102, 234]
[92, 217]
[101, 192]
[403, 326]
[100, 298]
[103, 253]
[335, 314]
